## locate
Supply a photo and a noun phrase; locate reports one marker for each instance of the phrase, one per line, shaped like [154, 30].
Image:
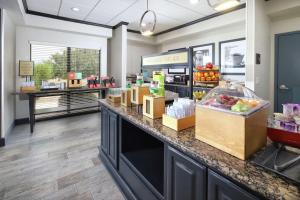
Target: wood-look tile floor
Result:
[59, 161]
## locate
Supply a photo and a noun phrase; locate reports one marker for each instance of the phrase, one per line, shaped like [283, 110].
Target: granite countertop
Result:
[256, 178]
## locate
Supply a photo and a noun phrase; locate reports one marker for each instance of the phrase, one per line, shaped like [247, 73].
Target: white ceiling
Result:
[170, 13]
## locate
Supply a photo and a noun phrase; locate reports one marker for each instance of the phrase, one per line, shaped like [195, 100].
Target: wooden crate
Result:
[126, 98]
[137, 93]
[114, 98]
[178, 124]
[235, 134]
[74, 83]
[153, 107]
[26, 89]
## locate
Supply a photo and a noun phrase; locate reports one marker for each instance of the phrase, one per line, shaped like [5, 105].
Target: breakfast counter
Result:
[252, 178]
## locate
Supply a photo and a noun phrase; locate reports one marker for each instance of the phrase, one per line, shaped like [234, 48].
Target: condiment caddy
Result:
[181, 115]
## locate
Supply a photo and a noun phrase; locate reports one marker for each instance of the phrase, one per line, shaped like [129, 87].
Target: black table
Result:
[73, 100]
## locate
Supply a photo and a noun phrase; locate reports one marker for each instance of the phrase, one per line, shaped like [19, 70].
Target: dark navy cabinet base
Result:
[185, 179]
[148, 168]
[220, 188]
[109, 135]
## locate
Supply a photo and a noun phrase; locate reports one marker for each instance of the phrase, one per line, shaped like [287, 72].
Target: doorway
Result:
[287, 69]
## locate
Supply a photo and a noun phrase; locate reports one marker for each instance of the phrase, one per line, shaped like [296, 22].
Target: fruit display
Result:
[243, 105]
[234, 104]
[198, 95]
[208, 66]
[207, 73]
[233, 99]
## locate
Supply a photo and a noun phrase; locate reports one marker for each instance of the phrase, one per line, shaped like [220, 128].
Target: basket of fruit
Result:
[198, 95]
[233, 119]
[208, 74]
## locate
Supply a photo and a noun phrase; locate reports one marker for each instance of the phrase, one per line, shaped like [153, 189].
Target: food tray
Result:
[284, 137]
[262, 104]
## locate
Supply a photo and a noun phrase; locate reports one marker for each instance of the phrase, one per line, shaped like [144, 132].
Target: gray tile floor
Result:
[59, 161]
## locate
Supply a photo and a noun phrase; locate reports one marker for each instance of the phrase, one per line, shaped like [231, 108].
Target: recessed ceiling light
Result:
[194, 1]
[75, 9]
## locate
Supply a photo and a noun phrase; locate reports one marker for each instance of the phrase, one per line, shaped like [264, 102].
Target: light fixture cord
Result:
[147, 5]
[208, 2]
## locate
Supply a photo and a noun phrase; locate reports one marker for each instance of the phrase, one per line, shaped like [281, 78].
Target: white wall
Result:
[233, 31]
[118, 56]
[59, 25]
[205, 26]
[135, 51]
[8, 83]
[25, 35]
[262, 46]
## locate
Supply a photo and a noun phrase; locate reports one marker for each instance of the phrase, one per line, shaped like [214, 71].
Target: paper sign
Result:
[26, 68]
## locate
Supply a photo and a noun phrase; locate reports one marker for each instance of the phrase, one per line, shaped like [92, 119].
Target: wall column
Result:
[118, 55]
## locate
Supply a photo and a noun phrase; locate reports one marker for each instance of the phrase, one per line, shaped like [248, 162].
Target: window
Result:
[52, 63]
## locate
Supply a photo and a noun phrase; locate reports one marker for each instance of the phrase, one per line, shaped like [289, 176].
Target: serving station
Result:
[151, 161]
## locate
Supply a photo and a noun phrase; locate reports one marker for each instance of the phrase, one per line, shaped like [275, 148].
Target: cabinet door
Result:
[112, 137]
[186, 179]
[219, 188]
[104, 129]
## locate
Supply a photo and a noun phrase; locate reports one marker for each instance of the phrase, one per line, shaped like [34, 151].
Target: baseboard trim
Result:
[2, 142]
[10, 129]
[26, 120]
[21, 121]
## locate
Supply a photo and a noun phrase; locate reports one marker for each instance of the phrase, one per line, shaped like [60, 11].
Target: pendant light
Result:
[148, 22]
[224, 4]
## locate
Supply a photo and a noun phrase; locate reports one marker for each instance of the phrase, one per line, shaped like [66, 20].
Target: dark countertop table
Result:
[47, 93]
[256, 178]
[39, 92]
